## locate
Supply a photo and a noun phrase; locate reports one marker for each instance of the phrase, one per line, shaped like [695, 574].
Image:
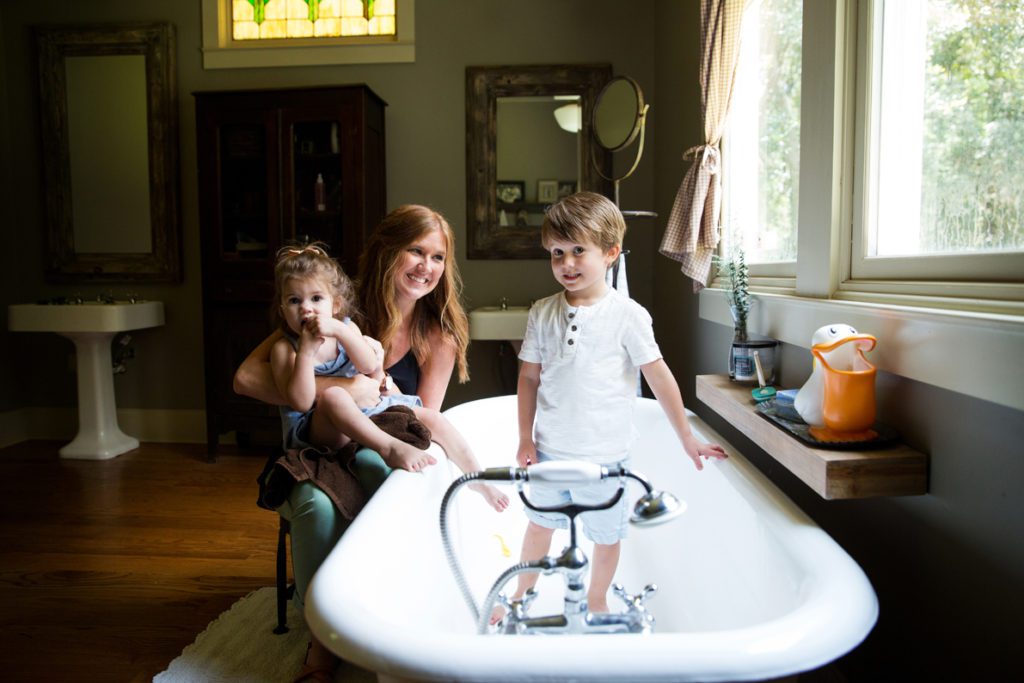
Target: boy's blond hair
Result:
[584, 217]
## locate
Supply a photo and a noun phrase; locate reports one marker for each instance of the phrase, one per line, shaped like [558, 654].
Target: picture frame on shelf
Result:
[547, 191]
[566, 188]
[510, 191]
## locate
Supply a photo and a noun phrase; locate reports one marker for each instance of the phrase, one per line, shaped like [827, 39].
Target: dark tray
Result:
[887, 436]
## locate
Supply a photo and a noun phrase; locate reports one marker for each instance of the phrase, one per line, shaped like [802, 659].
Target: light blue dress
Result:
[295, 423]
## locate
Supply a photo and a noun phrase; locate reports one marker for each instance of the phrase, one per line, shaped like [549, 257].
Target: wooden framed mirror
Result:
[109, 126]
[510, 110]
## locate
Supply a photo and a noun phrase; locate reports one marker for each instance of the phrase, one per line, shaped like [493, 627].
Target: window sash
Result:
[221, 51]
[993, 267]
[834, 172]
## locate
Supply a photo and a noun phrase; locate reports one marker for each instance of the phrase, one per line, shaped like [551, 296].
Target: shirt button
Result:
[570, 342]
[572, 315]
[573, 328]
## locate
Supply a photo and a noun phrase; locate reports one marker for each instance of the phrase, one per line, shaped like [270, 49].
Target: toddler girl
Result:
[313, 295]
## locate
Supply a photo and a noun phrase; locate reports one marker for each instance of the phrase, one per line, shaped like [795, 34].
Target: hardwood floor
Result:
[109, 568]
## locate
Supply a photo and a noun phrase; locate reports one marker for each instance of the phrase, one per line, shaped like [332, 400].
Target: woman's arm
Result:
[436, 371]
[255, 379]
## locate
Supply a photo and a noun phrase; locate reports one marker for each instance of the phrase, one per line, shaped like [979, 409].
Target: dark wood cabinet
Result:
[275, 167]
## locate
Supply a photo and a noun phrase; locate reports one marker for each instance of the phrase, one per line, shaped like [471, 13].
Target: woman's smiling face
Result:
[421, 266]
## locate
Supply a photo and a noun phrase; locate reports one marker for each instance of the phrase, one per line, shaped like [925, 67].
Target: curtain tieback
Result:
[709, 160]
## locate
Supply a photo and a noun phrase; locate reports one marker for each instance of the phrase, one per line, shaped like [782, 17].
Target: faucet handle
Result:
[503, 303]
[637, 601]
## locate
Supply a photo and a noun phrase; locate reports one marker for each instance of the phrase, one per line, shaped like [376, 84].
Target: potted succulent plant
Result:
[735, 278]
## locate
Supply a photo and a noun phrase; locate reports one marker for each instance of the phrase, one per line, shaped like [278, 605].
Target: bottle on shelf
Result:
[320, 193]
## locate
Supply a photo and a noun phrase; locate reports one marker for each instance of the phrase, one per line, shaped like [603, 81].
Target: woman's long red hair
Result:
[376, 283]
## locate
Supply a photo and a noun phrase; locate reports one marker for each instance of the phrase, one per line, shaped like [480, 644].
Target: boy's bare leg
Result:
[459, 452]
[337, 420]
[536, 543]
[606, 559]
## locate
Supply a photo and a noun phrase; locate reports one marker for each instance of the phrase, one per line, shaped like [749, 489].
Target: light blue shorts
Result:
[600, 526]
[391, 400]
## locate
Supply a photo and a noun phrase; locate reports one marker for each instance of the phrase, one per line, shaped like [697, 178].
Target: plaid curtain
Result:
[692, 232]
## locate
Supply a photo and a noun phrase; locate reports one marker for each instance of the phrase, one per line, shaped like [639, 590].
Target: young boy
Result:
[577, 383]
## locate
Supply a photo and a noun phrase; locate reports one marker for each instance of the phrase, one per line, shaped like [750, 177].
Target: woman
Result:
[409, 288]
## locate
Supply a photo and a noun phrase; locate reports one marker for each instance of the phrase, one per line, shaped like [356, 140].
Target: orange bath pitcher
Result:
[849, 400]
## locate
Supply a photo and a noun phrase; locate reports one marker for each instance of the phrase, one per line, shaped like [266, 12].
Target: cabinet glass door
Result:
[245, 214]
[313, 197]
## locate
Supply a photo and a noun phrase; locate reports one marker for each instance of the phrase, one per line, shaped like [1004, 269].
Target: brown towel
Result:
[330, 470]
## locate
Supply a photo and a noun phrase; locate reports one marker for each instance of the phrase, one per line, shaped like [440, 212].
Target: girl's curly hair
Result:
[311, 261]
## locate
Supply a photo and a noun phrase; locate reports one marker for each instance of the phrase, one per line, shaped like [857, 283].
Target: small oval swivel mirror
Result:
[620, 115]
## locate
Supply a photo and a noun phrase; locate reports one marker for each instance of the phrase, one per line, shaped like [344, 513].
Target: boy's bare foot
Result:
[597, 605]
[404, 456]
[497, 614]
[495, 498]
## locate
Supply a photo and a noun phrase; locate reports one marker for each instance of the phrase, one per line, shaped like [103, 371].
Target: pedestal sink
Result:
[498, 324]
[91, 326]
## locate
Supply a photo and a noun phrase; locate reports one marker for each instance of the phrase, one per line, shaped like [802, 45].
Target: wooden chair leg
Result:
[283, 590]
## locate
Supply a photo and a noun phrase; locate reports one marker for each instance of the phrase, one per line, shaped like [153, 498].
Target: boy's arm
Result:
[666, 390]
[526, 394]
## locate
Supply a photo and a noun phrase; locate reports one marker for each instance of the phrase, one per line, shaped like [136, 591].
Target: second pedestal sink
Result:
[498, 324]
[91, 326]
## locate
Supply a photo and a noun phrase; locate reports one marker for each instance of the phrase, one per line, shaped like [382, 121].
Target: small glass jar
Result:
[741, 360]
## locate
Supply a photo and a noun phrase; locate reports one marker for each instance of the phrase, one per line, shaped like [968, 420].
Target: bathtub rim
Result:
[763, 650]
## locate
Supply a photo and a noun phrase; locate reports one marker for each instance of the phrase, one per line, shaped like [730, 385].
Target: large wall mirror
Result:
[109, 126]
[528, 141]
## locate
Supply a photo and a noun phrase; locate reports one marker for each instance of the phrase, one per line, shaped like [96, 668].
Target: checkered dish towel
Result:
[692, 232]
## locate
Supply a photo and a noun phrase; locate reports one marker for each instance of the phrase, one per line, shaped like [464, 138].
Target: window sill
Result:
[969, 352]
[267, 55]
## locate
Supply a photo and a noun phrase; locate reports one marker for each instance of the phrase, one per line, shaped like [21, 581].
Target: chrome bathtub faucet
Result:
[654, 507]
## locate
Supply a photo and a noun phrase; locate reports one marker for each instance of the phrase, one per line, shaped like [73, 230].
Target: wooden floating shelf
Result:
[833, 474]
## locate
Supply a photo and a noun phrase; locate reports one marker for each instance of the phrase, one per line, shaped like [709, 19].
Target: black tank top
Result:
[406, 373]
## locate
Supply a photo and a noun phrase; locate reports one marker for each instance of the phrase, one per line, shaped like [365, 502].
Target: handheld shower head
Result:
[656, 507]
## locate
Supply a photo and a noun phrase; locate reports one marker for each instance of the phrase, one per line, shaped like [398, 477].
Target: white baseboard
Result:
[152, 426]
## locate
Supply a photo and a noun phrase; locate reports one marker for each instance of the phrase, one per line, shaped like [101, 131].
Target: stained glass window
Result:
[274, 19]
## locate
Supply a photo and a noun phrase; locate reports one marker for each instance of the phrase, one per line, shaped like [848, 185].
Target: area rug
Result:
[239, 646]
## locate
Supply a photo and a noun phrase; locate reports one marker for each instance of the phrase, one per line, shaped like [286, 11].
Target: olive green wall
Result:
[426, 164]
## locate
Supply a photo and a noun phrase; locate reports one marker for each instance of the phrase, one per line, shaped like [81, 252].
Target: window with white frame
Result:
[248, 33]
[761, 150]
[943, 147]
[918, 164]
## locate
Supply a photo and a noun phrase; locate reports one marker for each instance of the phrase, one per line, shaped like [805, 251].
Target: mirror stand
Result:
[620, 116]
[642, 123]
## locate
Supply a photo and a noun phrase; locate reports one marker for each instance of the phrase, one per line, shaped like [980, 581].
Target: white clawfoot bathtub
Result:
[749, 587]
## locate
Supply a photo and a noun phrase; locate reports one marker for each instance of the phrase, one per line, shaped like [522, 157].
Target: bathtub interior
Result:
[719, 566]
